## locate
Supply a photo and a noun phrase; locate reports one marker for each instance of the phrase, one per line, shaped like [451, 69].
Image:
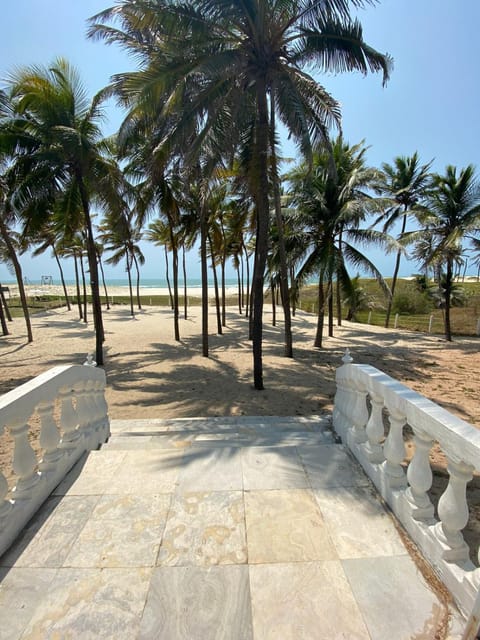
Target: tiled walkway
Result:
[221, 529]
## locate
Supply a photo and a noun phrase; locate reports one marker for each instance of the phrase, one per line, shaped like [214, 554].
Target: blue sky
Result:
[430, 105]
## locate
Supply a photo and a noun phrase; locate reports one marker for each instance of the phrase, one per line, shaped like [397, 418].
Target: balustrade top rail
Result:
[454, 434]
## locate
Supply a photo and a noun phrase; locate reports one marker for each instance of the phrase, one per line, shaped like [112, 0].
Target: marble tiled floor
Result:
[221, 529]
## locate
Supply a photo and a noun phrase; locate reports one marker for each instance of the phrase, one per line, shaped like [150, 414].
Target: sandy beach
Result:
[150, 375]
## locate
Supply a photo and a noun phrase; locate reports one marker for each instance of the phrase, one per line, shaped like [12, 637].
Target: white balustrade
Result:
[382, 454]
[69, 404]
[394, 449]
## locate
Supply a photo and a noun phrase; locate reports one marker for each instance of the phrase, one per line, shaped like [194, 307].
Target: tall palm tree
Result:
[404, 183]
[219, 63]
[331, 207]
[452, 215]
[57, 146]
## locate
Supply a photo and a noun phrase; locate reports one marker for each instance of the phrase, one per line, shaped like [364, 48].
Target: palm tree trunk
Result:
[130, 287]
[330, 308]
[273, 289]
[215, 283]
[185, 290]
[448, 296]
[84, 285]
[92, 263]
[261, 244]
[239, 289]
[64, 286]
[222, 274]
[281, 238]
[3, 321]
[139, 302]
[204, 268]
[321, 313]
[19, 276]
[395, 275]
[294, 291]
[173, 244]
[167, 276]
[247, 295]
[100, 264]
[5, 305]
[77, 283]
[243, 278]
[224, 293]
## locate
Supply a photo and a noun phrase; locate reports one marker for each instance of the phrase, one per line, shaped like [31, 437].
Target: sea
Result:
[145, 283]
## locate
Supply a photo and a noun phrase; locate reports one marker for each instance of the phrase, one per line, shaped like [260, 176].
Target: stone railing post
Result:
[24, 459]
[69, 420]
[360, 412]
[394, 450]
[5, 505]
[375, 430]
[453, 512]
[49, 437]
[420, 477]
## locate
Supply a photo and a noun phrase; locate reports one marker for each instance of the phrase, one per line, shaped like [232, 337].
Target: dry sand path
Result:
[150, 375]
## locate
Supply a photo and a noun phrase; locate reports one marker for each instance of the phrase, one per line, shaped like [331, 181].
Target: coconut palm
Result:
[55, 139]
[404, 183]
[330, 208]
[452, 215]
[219, 63]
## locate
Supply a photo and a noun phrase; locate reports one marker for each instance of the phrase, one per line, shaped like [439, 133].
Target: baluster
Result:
[341, 410]
[375, 430]
[360, 412]
[419, 476]
[394, 450]
[101, 403]
[69, 420]
[5, 505]
[49, 437]
[453, 512]
[84, 412]
[24, 460]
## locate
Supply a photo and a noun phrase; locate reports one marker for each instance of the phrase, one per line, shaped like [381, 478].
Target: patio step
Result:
[217, 431]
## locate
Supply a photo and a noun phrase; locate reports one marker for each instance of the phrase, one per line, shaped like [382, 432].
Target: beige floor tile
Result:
[304, 601]
[267, 468]
[330, 466]
[123, 531]
[49, 536]
[395, 600]
[205, 529]
[198, 603]
[211, 469]
[358, 523]
[91, 604]
[285, 526]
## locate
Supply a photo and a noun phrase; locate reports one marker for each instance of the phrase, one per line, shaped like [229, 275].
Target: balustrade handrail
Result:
[69, 403]
[457, 436]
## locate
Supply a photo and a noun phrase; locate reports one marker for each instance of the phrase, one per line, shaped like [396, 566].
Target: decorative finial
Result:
[347, 358]
[90, 362]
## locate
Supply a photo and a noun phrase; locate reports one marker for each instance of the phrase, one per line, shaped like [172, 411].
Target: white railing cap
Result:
[42, 386]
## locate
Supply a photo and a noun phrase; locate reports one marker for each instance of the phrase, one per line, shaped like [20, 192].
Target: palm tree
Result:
[330, 207]
[121, 237]
[452, 215]
[405, 184]
[219, 64]
[55, 140]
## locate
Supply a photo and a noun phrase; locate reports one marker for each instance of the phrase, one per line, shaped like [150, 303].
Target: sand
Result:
[149, 375]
